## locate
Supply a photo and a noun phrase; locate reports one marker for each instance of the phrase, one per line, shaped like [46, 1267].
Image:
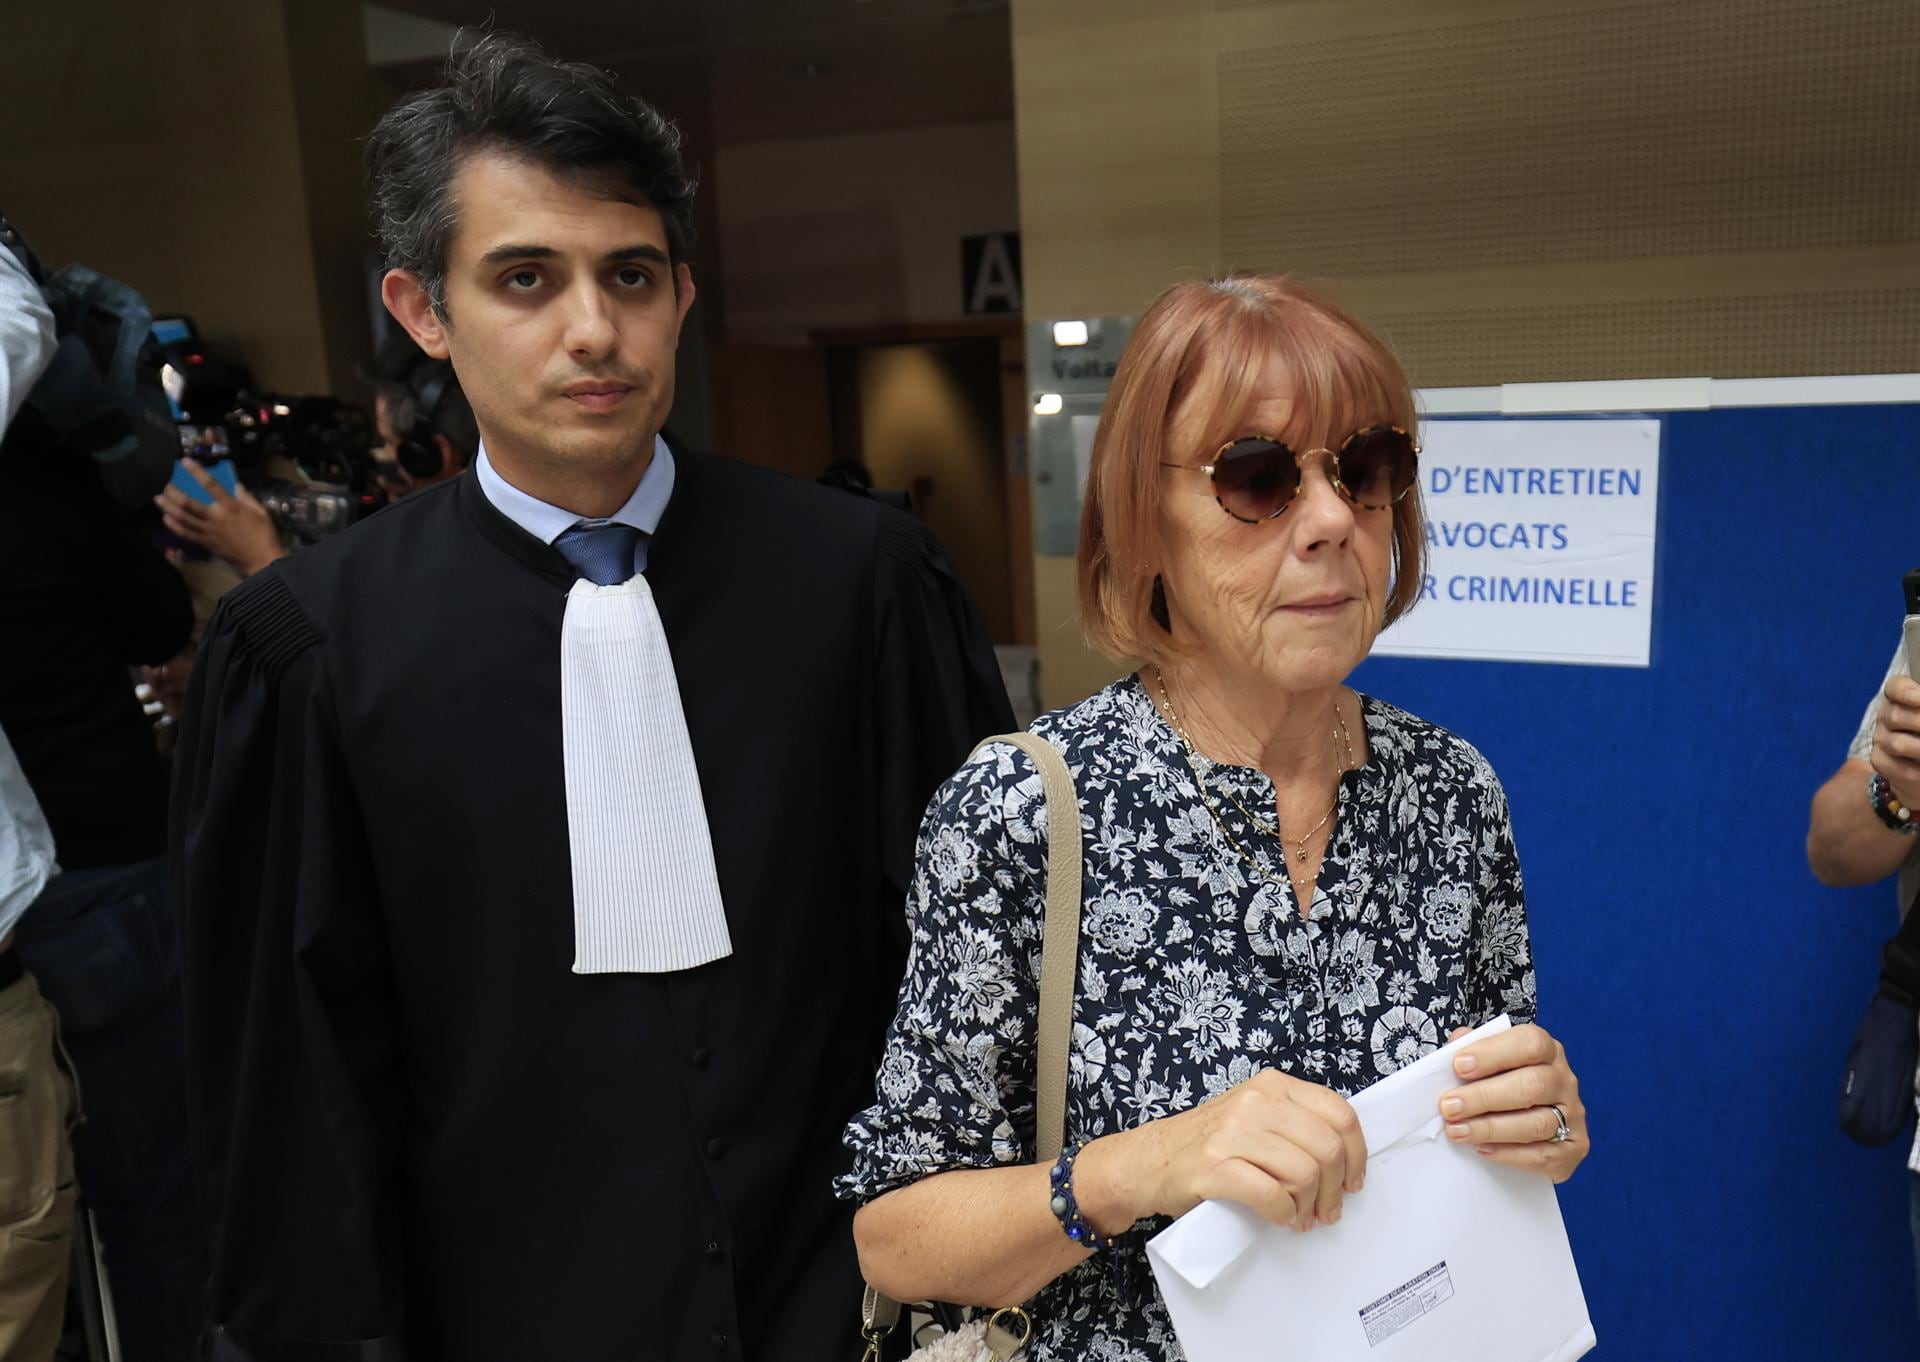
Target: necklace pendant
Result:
[1300, 855]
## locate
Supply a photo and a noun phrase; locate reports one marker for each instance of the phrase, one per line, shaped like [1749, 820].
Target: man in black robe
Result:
[494, 1057]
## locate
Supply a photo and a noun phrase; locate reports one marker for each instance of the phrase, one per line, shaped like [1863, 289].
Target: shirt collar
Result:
[547, 522]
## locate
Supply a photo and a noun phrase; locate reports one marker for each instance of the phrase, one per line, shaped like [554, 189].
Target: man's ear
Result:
[682, 294]
[406, 298]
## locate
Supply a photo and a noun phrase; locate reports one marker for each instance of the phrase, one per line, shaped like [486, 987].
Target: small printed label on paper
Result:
[1404, 1304]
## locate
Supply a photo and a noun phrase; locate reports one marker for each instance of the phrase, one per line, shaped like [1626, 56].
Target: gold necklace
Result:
[1273, 830]
[1188, 751]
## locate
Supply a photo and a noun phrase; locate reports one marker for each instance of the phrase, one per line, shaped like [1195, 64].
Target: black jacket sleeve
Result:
[142, 599]
[139, 599]
[938, 689]
[298, 1102]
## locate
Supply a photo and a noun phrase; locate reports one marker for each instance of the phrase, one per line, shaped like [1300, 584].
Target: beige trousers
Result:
[37, 1191]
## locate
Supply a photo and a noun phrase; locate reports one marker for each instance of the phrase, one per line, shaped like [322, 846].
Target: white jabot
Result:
[646, 891]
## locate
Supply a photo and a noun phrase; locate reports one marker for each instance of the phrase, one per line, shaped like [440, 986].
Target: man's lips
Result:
[598, 396]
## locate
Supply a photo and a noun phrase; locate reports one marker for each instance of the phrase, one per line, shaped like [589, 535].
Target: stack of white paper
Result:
[1443, 1255]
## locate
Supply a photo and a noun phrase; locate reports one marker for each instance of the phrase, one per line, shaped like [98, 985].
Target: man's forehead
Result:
[505, 200]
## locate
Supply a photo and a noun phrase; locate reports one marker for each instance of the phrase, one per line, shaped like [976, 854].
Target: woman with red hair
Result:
[1290, 889]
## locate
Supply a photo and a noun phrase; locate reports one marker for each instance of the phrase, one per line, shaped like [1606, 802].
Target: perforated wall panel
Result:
[1864, 331]
[1606, 132]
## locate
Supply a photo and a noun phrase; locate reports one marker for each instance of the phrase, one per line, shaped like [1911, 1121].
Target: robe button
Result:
[716, 1146]
[713, 1248]
[719, 1342]
[700, 1058]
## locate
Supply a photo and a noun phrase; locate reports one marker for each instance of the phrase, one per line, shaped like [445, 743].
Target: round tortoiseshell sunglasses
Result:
[1256, 477]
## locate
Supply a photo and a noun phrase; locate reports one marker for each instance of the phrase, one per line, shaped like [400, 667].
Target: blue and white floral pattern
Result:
[1195, 972]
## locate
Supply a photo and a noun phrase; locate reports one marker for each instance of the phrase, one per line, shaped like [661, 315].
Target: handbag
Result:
[1876, 1097]
[1001, 1336]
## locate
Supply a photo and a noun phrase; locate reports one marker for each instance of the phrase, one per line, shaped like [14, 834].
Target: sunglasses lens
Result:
[1255, 478]
[1377, 466]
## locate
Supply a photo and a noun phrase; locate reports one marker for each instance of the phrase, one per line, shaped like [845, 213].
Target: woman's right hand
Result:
[1289, 1149]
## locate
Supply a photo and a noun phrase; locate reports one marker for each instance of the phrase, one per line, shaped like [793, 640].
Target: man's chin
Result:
[601, 449]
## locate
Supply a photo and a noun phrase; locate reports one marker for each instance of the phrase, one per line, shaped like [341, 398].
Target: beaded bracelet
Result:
[1067, 1210]
[1887, 805]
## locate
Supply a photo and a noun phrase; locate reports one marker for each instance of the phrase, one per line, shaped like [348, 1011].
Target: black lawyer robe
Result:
[422, 1136]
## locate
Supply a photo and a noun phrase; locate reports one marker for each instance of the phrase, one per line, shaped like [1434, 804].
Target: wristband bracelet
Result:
[1067, 1210]
[1887, 805]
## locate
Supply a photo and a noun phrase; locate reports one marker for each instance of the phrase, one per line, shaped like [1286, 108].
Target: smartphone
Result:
[1911, 582]
[222, 472]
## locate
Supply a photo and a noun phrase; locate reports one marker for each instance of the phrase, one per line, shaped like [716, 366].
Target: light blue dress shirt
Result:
[547, 522]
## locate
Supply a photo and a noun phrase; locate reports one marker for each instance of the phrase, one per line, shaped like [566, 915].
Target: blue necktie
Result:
[603, 554]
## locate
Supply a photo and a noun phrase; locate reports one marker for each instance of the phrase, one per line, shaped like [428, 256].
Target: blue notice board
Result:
[1704, 983]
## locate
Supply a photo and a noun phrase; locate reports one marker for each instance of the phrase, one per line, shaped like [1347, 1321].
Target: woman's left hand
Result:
[1511, 1082]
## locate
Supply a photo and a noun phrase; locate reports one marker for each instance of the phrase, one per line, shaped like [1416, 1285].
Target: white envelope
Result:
[1443, 1255]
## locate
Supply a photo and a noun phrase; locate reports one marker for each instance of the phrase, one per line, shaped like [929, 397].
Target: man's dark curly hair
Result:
[503, 93]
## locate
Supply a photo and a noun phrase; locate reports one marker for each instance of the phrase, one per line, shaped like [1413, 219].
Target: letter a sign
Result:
[990, 272]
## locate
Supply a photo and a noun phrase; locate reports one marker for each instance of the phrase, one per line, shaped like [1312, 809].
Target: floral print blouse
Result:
[1195, 971]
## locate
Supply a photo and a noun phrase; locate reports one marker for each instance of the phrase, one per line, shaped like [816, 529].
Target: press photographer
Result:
[423, 433]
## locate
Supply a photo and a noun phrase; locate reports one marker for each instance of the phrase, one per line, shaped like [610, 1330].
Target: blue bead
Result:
[1074, 1232]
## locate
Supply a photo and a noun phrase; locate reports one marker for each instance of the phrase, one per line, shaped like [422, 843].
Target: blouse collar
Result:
[1248, 783]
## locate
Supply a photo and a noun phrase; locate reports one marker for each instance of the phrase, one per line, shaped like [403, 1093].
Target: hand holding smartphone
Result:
[1911, 582]
[222, 472]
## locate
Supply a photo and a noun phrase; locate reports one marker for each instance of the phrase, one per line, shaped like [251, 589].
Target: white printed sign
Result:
[1540, 538]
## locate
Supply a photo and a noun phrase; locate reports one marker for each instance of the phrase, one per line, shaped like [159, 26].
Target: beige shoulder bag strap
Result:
[1008, 1330]
[1060, 947]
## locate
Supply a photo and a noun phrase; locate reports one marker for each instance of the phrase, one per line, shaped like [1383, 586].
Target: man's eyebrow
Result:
[625, 253]
[501, 255]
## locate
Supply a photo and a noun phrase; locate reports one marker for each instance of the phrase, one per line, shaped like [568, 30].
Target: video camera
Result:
[222, 416]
